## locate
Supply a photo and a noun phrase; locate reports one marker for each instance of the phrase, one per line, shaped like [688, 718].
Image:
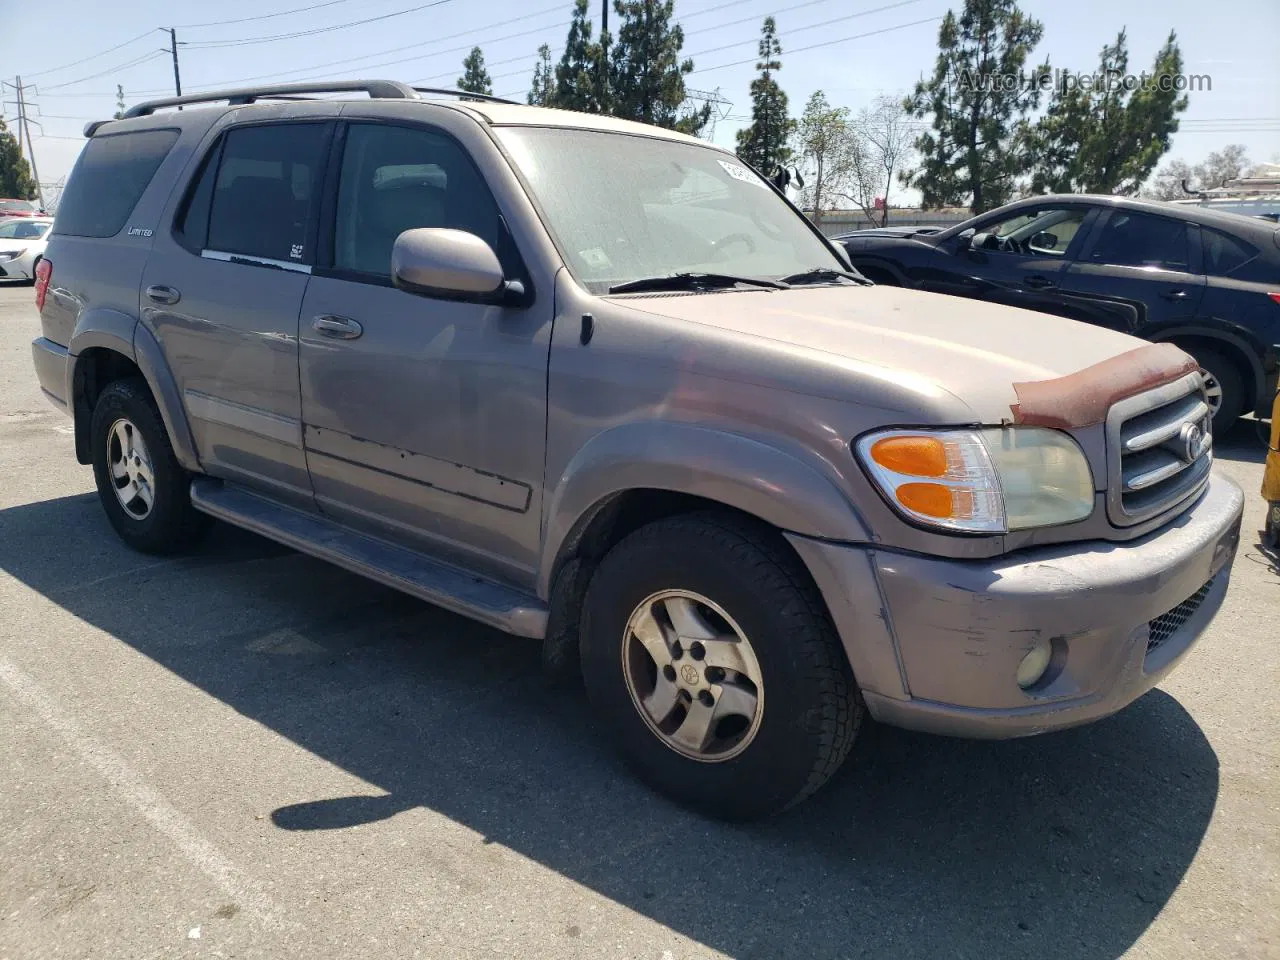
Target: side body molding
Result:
[727, 468]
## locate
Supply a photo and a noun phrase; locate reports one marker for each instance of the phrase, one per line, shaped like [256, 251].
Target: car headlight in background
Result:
[990, 480]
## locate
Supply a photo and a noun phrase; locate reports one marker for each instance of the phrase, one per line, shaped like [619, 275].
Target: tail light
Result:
[44, 273]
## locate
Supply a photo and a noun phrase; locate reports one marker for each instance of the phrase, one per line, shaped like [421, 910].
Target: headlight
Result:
[981, 481]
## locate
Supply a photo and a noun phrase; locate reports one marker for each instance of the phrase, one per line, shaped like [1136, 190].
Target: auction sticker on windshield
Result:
[740, 173]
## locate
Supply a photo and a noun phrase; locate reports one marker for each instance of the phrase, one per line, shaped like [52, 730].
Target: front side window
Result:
[1132, 239]
[262, 198]
[1037, 233]
[22, 230]
[395, 179]
[109, 179]
[623, 208]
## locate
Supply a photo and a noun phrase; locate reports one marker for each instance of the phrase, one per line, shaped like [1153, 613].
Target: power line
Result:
[827, 43]
[812, 26]
[261, 16]
[115, 69]
[252, 41]
[101, 53]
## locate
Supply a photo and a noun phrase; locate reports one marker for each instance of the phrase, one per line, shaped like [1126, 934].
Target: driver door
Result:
[1017, 259]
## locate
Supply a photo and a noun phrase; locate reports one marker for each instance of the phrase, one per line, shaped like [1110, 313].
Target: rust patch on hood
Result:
[1083, 398]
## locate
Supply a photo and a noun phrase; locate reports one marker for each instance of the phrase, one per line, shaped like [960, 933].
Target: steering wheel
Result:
[744, 238]
[1010, 245]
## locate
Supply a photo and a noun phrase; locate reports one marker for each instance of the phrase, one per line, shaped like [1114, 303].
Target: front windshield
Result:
[622, 208]
[22, 230]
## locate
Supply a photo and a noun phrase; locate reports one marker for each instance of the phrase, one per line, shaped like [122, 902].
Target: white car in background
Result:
[22, 243]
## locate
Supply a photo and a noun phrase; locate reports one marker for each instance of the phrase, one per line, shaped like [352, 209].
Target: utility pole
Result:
[603, 79]
[173, 50]
[24, 132]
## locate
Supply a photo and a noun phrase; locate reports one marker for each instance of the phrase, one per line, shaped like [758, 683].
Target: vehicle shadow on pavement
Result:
[1062, 846]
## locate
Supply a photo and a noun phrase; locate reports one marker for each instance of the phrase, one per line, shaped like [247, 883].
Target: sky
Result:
[853, 50]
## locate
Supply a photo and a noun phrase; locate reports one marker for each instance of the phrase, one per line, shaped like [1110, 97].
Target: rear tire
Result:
[144, 490]
[1225, 386]
[763, 617]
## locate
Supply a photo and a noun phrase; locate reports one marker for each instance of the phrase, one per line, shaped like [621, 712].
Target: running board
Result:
[438, 583]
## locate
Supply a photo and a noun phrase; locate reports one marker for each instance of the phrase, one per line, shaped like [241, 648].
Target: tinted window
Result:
[263, 193]
[1142, 240]
[1222, 253]
[108, 179]
[1033, 234]
[396, 178]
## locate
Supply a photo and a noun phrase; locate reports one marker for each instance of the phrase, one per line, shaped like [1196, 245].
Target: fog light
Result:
[1033, 666]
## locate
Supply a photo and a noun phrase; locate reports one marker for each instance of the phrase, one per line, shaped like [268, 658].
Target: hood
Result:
[971, 349]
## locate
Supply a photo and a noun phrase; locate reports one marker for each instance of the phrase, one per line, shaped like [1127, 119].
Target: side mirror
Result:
[1045, 240]
[449, 265]
[964, 240]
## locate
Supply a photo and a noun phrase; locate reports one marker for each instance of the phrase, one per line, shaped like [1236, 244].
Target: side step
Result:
[441, 584]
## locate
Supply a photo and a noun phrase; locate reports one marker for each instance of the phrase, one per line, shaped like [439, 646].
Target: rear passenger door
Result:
[1138, 273]
[223, 293]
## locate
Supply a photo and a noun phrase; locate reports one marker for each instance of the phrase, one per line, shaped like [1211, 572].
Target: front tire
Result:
[710, 660]
[144, 490]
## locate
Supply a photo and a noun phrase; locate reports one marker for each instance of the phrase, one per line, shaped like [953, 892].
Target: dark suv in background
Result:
[1205, 280]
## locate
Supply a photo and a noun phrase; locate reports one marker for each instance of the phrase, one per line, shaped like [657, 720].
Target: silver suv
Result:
[601, 385]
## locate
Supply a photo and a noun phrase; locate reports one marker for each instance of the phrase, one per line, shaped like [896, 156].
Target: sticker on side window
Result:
[739, 172]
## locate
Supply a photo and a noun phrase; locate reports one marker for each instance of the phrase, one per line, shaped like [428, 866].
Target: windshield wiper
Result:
[693, 281]
[823, 275]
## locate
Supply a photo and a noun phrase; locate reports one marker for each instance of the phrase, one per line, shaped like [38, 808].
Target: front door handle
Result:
[340, 328]
[162, 294]
[1037, 282]
[1175, 294]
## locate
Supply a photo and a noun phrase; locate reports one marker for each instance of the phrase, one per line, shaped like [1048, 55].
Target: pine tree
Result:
[475, 78]
[578, 73]
[15, 174]
[542, 93]
[764, 143]
[977, 101]
[646, 74]
[1107, 138]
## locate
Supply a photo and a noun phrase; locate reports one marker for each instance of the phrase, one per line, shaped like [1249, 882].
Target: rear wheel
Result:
[1224, 388]
[143, 489]
[711, 662]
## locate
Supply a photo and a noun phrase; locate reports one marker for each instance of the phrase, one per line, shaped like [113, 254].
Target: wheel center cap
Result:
[689, 674]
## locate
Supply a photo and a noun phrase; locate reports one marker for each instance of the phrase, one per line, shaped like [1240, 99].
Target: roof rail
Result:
[466, 95]
[376, 89]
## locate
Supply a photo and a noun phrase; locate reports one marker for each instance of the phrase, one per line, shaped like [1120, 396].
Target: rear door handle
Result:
[162, 294]
[1175, 294]
[1037, 282]
[339, 328]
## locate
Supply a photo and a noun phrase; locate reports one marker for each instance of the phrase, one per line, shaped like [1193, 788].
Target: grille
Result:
[1167, 624]
[1161, 450]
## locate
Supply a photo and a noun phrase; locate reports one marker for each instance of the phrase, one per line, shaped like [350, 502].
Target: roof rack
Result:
[376, 89]
[466, 95]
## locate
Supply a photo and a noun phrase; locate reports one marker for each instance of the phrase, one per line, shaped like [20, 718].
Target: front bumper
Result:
[936, 643]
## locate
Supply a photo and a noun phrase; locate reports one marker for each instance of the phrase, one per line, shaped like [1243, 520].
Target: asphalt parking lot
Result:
[245, 752]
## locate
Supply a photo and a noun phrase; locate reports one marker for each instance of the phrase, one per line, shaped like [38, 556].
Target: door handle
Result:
[340, 328]
[1037, 282]
[162, 294]
[1175, 294]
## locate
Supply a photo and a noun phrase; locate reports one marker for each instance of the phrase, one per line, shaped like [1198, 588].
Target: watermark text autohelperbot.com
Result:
[1058, 79]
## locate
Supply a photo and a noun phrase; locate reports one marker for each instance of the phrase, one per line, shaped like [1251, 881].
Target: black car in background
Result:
[1205, 280]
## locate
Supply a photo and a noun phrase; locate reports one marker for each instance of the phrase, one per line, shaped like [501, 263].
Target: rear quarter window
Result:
[1224, 254]
[109, 178]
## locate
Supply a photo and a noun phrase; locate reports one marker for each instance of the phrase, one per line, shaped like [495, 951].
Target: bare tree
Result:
[882, 142]
[1229, 163]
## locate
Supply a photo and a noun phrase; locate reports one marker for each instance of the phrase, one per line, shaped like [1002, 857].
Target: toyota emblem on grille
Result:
[1191, 438]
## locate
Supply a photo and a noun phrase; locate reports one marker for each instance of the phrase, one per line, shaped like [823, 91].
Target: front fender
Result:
[737, 471]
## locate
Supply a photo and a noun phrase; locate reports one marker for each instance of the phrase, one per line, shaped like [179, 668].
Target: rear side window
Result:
[1223, 253]
[1133, 239]
[108, 180]
[262, 197]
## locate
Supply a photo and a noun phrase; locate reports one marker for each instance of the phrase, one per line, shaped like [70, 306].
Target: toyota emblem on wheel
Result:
[689, 674]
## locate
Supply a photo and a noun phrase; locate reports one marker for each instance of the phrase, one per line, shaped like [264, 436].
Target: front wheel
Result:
[144, 490]
[710, 659]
